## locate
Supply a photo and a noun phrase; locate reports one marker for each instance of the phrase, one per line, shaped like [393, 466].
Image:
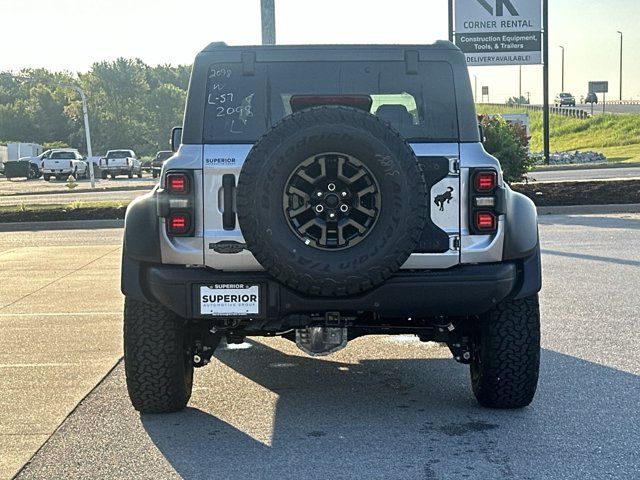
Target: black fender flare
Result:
[522, 242]
[141, 243]
[521, 226]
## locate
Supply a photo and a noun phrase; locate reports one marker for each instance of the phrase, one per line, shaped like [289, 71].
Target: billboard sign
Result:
[598, 87]
[499, 32]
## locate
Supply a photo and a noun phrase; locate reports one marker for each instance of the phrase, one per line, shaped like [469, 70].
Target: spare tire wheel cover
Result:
[331, 201]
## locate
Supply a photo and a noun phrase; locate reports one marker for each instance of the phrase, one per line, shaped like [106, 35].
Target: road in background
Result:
[609, 108]
[575, 174]
[391, 407]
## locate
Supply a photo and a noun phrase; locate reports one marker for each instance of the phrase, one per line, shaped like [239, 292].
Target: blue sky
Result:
[71, 34]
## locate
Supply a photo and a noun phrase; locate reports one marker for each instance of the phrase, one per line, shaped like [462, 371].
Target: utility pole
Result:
[268, 15]
[620, 64]
[520, 86]
[475, 89]
[451, 20]
[562, 89]
[545, 79]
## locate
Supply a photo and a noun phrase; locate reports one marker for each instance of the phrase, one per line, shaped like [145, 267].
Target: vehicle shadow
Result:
[405, 418]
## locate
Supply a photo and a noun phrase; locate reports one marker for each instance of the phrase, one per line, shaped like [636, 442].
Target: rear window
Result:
[63, 156]
[118, 154]
[240, 108]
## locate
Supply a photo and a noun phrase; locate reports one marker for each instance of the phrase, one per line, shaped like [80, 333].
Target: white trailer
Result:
[18, 150]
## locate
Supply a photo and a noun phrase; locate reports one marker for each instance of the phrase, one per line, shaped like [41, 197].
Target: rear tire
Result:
[130, 174]
[506, 359]
[47, 177]
[158, 368]
[103, 175]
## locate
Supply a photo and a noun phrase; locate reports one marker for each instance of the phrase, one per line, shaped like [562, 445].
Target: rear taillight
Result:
[178, 183]
[485, 181]
[177, 204]
[484, 202]
[485, 221]
[179, 223]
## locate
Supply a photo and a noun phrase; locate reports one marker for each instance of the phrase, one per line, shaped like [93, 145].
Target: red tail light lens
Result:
[485, 181]
[178, 183]
[178, 223]
[485, 221]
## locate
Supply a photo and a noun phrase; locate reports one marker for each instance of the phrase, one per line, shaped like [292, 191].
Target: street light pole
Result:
[86, 121]
[562, 89]
[87, 134]
[620, 64]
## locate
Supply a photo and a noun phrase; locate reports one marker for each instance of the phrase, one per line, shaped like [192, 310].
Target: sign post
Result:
[499, 32]
[599, 87]
[505, 32]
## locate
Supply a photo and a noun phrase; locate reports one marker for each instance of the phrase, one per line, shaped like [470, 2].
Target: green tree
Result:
[508, 142]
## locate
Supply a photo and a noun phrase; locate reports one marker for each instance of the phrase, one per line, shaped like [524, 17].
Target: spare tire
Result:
[331, 201]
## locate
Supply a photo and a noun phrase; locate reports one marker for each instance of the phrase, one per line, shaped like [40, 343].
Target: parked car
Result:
[324, 216]
[62, 162]
[120, 162]
[591, 98]
[565, 99]
[22, 152]
[159, 160]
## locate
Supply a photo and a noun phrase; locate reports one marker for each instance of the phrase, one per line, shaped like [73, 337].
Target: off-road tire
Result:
[47, 177]
[103, 175]
[158, 370]
[390, 241]
[130, 174]
[506, 359]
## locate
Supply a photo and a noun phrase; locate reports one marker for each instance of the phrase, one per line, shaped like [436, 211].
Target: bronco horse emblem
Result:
[444, 197]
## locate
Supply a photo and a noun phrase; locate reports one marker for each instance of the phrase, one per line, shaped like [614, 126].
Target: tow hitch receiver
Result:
[320, 341]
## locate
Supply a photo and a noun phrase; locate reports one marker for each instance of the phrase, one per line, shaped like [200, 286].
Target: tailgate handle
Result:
[228, 195]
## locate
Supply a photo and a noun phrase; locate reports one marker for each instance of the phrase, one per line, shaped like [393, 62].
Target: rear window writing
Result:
[240, 108]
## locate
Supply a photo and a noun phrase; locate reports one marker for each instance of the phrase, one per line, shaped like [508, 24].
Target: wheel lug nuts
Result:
[332, 215]
[319, 208]
[319, 194]
[344, 208]
[343, 194]
[331, 187]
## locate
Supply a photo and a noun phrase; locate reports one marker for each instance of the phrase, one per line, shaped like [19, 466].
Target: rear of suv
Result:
[322, 193]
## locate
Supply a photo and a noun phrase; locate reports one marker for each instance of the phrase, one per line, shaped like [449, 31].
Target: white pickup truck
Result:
[120, 162]
[61, 163]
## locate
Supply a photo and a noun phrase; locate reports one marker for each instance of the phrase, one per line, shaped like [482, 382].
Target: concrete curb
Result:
[84, 190]
[582, 166]
[97, 224]
[589, 209]
[61, 225]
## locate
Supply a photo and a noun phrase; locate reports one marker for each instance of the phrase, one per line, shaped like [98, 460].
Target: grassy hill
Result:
[616, 136]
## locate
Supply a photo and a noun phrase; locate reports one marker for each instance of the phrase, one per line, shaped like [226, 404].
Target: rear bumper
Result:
[459, 291]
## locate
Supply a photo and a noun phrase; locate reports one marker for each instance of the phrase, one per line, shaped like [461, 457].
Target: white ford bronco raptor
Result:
[323, 193]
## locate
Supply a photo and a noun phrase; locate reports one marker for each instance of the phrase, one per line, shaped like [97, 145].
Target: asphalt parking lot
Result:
[381, 408]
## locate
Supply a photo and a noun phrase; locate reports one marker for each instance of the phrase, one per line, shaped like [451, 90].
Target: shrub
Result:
[509, 144]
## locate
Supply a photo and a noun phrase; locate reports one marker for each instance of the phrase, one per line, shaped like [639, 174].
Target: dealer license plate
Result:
[229, 299]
